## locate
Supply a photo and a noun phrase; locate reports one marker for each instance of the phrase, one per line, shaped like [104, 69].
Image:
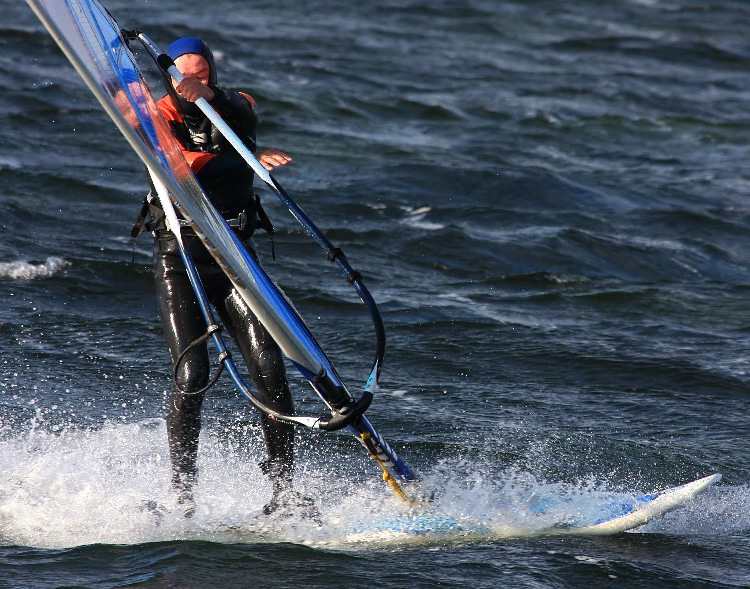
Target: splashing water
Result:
[111, 485]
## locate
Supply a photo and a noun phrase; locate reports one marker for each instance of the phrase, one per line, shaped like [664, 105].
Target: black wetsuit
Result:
[228, 182]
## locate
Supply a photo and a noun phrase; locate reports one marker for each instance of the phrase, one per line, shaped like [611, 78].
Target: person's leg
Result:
[266, 367]
[182, 323]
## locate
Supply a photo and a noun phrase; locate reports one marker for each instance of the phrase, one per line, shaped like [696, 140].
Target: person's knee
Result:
[270, 378]
[187, 396]
[192, 375]
[186, 406]
[269, 361]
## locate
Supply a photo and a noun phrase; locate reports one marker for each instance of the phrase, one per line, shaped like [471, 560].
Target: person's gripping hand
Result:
[192, 89]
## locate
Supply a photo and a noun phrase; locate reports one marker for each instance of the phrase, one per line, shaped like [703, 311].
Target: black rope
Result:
[334, 253]
[222, 357]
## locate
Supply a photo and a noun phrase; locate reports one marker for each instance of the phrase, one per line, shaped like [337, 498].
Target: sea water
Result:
[550, 204]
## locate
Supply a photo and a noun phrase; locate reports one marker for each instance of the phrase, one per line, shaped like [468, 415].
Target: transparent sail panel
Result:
[91, 40]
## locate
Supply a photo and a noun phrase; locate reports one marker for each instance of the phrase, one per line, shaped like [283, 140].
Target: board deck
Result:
[611, 515]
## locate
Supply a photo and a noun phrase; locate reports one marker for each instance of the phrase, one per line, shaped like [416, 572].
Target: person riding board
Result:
[228, 182]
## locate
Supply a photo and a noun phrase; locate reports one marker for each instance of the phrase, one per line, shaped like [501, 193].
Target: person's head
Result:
[194, 59]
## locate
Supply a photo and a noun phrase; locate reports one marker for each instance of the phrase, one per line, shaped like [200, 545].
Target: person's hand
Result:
[273, 158]
[192, 89]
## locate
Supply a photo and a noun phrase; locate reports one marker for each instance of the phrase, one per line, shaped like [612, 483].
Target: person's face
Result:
[193, 65]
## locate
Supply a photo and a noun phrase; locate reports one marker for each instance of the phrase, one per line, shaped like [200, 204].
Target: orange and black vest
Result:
[199, 139]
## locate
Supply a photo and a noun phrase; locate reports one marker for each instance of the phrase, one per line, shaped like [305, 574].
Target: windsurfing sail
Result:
[92, 41]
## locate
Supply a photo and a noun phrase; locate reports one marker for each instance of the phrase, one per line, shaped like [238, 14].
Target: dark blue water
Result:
[550, 203]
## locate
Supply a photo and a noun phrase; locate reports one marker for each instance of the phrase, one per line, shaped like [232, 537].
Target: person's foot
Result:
[291, 503]
[186, 502]
[182, 484]
[154, 508]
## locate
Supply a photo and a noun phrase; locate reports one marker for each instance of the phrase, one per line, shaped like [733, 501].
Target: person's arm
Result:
[196, 159]
[238, 109]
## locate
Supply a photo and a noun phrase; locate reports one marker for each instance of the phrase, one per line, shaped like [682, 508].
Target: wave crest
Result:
[21, 270]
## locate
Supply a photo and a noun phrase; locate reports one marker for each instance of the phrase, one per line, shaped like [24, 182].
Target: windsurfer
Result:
[229, 183]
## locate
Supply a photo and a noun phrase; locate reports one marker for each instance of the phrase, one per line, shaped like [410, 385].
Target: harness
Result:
[151, 218]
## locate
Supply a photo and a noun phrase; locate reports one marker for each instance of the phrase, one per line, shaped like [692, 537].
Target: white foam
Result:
[415, 217]
[21, 270]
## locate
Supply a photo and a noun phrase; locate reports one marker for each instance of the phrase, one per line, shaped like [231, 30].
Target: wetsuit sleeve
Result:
[238, 110]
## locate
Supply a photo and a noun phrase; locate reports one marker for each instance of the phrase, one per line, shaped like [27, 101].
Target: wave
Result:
[21, 270]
